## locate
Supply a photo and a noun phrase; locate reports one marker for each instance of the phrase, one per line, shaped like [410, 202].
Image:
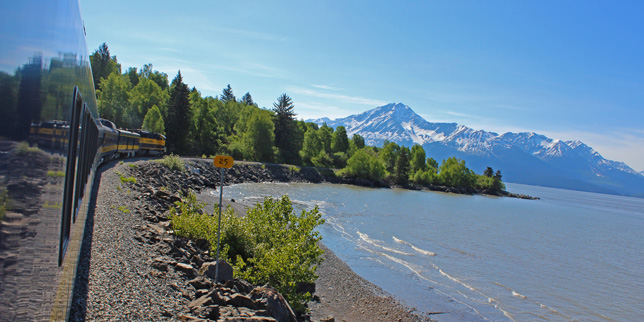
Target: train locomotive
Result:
[128, 143]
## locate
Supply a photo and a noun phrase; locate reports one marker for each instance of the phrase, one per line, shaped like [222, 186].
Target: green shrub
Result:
[363, 164]
[271, 244]
[173, 162]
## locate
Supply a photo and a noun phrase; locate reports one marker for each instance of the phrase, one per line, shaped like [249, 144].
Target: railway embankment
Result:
[133, 268]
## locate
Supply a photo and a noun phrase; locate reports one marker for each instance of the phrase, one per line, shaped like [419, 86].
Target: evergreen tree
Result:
[247, 99]
[401, 169]
[497, 175]
[178, 119]
[227, 95]
[489, 172]
[285, 130]
[103, 64]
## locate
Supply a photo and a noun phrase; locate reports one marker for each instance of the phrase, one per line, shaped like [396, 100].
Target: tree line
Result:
[206, 126]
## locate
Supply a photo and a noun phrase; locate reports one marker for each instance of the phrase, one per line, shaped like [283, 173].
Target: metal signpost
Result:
[223, 162]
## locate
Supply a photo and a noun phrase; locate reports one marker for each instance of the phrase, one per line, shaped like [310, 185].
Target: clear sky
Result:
[565, 69]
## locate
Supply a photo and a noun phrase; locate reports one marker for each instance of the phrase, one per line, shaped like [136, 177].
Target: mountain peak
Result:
[525, 157]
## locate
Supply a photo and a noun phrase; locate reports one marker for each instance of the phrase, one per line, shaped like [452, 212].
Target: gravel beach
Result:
[117, 281]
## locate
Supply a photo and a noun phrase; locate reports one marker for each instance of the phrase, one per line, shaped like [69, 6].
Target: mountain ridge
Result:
[525, 157]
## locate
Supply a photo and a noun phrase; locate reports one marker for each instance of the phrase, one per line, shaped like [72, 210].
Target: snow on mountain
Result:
[527, 157]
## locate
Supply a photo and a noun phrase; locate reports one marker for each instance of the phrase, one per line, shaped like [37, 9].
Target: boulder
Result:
[238, 300]
[209, 270]
[186, 269]
[274, 303]
[201, 282]
[240, 286]
[202, 301]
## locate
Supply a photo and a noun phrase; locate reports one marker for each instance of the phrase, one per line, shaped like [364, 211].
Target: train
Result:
[114, 142]
[52, 141]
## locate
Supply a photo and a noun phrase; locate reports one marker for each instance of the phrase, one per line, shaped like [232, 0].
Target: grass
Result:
[173, 162]
[4, 200]
[23, 148]
[125, 179]
[55, 205]
[55, 174]
[124, 209]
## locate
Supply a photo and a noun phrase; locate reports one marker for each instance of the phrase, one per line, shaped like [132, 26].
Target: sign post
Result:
[223, 162]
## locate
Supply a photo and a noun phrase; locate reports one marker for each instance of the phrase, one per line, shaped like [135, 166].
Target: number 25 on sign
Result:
[223, 161]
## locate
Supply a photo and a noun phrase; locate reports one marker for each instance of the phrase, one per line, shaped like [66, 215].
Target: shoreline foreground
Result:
[132, 268]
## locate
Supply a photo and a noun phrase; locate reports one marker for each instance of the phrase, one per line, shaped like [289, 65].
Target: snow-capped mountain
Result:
[522, 157]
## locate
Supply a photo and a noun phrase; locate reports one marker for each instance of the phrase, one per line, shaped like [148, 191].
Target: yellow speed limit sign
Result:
[223, 161]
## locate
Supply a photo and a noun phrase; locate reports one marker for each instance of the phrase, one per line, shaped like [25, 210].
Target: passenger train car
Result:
[51, 143]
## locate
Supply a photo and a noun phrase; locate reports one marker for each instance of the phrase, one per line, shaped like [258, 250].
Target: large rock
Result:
[274, 303]
[186, 269]
[225, 270]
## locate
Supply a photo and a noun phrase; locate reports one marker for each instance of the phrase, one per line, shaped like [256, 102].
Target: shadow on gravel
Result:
[78, 309]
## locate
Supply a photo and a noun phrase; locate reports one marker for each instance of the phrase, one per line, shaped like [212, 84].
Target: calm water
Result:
[571, 256]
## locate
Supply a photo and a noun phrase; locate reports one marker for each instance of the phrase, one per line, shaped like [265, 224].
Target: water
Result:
[571, 256]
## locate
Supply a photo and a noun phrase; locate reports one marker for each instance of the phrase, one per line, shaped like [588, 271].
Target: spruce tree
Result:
[103, 64]
[401, 169]
[247, 99]
[178, 119]
[285, 129]
[227, 95]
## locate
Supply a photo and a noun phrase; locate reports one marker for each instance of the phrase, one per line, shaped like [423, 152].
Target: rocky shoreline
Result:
[133, 268]
[244, 172]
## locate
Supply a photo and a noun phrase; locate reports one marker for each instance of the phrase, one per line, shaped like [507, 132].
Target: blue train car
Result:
[50, 147]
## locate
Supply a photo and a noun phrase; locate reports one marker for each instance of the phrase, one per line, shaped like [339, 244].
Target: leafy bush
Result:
[363, 164]
[492, 183]
[173, 162]
[271, 244]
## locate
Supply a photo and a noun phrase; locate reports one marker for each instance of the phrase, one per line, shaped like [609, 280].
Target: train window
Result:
[88, 137]
[68, 202]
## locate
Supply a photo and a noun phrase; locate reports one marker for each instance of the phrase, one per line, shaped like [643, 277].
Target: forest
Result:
[224, 124]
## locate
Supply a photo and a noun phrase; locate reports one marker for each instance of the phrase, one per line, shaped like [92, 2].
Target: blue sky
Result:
[566, 69]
